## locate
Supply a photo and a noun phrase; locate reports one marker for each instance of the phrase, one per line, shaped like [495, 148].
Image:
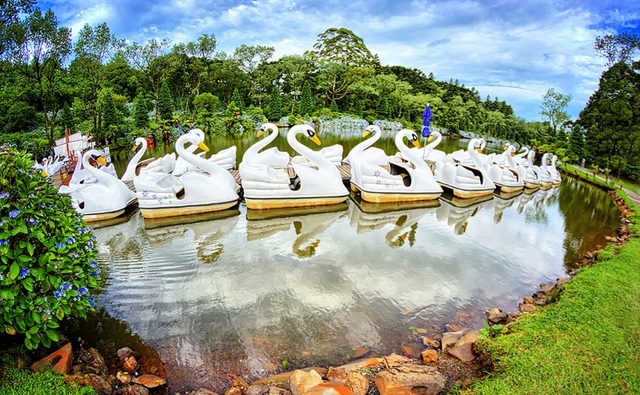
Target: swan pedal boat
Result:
[213, 189]
[504, 173]
[266, 187]
[404, 181]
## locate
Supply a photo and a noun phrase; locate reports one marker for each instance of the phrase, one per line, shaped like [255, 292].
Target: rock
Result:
[278, 391]
[60, 361]
[149, 380]
[133, 390]
[496, 316]
[100, 385]
[410, 380]
[356, 382]
[302, 381]
[204, 391]
[560, 282]
[429, 342]
[330, 389]
[124, 352]
[97, 363]
[130, 364]
[257, 390]
[455, 327]
[429, 356]
[450, 338]
[360, 352]
[393, 360]
[526, 308]
[410, 350]
[463, 347]
[240, 382]
[233, 391]
[362, 363]
[123, 377]
[547, 288]
[527, 299]
[282, 378]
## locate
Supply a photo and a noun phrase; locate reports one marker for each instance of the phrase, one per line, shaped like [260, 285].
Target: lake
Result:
[241, 291]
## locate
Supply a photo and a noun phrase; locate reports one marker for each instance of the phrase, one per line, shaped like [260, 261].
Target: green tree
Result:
[248, 59]
[344, 47]
[110, 118]
[554, 109]
[274, 107]
[617, 48]
[140, 113]
[237, 99]
[66, 117]
[10, 22]
[334, 107]
[165, 103]
[576, 141]
[306, 100]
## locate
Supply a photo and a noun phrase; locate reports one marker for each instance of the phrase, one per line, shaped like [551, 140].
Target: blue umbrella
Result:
[426, 120]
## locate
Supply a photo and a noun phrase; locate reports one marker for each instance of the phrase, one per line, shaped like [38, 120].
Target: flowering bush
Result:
[47, 257]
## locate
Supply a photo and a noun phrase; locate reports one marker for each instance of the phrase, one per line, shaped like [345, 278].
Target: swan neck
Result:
[305, 151]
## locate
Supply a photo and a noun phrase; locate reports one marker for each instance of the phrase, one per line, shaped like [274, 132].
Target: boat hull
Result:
[163, 212]
[396, 197]
[465, 193]
[266, 203]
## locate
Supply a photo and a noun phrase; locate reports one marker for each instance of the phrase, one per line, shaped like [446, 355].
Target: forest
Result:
[117, 90]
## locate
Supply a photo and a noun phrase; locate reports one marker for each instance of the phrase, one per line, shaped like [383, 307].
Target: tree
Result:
[576, 141]
[237, 99]
[274, 108]
[66, 117]
[306, 100]
[249, 58]
[165, 103]
[41, 50]
[553, 108]
[344, 47]
[95, 47]
[617, 48]
[10, 21]
[140, 112]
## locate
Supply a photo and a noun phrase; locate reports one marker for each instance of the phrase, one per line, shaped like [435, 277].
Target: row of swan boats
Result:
[190, 183]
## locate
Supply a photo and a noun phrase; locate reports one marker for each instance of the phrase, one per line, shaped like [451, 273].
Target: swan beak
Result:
[44, 174]
[430, 138]
[479, 150]
[101, 161]
[260, 133]
[505, 147]
[513, 154]
[416, 143]
[316, 140]
[135, 147]
[366, 133]
[203, 147]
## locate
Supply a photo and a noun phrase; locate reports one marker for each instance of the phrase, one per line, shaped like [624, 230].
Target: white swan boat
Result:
[465, 181]
[268, 187]
[365, 152]
[212, 189]
[527, 173]
[503, 172]
[404, 181]
[105, 199]
[555, 174]
[543, 172]
[271, 156]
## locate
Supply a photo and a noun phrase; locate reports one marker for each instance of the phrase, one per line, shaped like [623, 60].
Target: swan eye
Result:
[310, 133]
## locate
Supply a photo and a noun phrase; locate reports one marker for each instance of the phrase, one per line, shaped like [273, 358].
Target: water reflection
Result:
[241, 291]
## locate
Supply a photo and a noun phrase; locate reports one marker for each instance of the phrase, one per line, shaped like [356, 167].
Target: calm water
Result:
[240, 291]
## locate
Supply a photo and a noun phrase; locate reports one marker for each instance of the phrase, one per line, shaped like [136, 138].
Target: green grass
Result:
[586, 343]
[22, 381]
[601, 179]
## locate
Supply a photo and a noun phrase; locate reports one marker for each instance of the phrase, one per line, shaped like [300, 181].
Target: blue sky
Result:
[514, 50]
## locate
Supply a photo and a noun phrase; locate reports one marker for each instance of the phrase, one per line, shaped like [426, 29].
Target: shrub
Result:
[47, 257]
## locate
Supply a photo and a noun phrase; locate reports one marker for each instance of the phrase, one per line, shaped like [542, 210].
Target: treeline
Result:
[114, 90]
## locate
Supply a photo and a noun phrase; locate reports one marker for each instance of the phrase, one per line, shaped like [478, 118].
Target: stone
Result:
[527, 307]
[357, 383]
[278, 391]
[450, 338]
[97, 363]
[256, 390]
[233, 391]
[360, 352]
[463, 349]
[527, 300]
[429, 356]
[330, 389]
[547, 288]
[410, 350]
[283, 378]
[123, 377]
[496, 316]
[429, 342]
[60, 360]
[204, 391]
[129, 364]
[240, 382]
[133, 390]
[455, 327]
[410, 380]
[302, 381]
[360, 364]
[149, 380]
[124, 352]
[100, 385]
[560, 282]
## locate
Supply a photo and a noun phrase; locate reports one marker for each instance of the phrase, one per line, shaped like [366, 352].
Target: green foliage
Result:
[237, 99]
[16, 381]
[306, 100]
[334, 107]
[165, 103]
[576, 141]
[492, 330]
[35, 143]
[554, 109]
[47, 261]
[274, 108]
[140, 112]
[66, 117]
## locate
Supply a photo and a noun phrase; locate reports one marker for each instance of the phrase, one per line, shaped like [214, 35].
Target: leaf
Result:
[29, 343]
[36, 317]
[20, 323]
[53, 335]
[53, 324]
[30, 249]
[9, 329]
[28, 284]
[45, 341]
[60, 313]
[14, 270]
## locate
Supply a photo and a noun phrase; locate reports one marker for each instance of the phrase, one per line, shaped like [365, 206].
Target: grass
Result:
[601, 179]
[16, 380]
[588, 342]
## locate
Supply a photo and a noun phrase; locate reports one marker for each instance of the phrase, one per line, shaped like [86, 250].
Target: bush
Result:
[47, 257]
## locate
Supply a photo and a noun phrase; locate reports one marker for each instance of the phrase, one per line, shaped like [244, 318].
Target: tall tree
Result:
[66, 117]
[576, 141]
[344, 47]
[554, 109]
[41, 50]
[306, 100]
[95, 47]
[140, 113]
[274, 107]
[10, 12]
[249, 58]
[617, 48]
[237, 99]
[165, 103]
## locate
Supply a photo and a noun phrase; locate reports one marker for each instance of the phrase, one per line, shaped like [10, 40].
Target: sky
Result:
[513, 50]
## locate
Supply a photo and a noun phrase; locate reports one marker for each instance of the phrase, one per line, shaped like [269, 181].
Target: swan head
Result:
[411, 136]
[264, 128]
[196, 137]
[198, 132]
[137, 143]
[371, 129]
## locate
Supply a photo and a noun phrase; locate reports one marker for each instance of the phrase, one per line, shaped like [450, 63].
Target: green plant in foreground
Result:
[47, 261]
